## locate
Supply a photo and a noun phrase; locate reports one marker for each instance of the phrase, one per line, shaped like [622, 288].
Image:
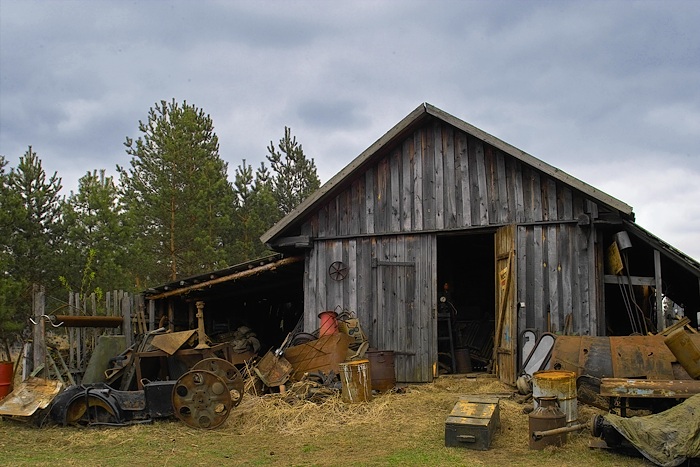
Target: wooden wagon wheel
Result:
[338, 270]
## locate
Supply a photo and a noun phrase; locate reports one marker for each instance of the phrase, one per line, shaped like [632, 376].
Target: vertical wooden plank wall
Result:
[393, 296]
[554, 279]
[439, 178]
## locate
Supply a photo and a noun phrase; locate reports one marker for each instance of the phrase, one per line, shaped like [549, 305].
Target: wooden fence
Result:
[81, 341]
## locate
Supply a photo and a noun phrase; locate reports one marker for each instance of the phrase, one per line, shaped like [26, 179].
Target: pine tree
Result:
[96, 237]
[294, 176]
[176, 193]
[255, 211]
[36, 240]
[32, 239]
[12, 311]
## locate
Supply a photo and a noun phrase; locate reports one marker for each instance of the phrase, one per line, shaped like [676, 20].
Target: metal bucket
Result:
[463, 361]
[329, 323]
[381, 364]
[560, 384]
[5, 378]
[356, 381]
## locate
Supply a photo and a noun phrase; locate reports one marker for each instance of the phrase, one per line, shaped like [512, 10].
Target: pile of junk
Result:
[649, 385]
[185, 375]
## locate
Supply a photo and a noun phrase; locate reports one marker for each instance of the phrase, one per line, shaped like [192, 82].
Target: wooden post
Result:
[660, 318]
[78, 335]
[171, 315]
[93, 305]
[39, 334]
[126, 315]
[25, 361]
[151, 315]
[71, 333]
[190, 321]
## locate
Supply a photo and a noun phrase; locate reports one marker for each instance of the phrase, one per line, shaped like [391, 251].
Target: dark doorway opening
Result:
[466, 292]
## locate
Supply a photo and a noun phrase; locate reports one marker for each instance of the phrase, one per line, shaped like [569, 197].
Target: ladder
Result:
[446, 318]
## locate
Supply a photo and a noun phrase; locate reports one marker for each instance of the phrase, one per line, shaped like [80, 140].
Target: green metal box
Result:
[472, 423]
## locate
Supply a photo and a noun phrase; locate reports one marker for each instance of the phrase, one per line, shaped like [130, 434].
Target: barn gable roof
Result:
[411, 121]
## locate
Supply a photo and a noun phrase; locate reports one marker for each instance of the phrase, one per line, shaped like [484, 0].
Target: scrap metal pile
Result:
[184, 375]
[654, 378]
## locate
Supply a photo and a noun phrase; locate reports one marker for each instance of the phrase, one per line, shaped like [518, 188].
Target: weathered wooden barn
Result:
[439, 207]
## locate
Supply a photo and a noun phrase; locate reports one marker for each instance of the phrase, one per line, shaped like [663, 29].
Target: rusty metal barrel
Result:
[5, 378]
[381, 364]
[685, 350]
[356, 381]
[547, 416]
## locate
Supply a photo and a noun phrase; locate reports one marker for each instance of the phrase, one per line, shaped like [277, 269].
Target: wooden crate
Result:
[472, 423]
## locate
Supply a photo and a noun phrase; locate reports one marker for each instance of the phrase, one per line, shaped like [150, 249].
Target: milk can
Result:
[547, 416]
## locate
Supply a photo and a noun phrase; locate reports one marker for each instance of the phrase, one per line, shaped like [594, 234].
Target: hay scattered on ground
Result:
[288, 414]
[275, 412]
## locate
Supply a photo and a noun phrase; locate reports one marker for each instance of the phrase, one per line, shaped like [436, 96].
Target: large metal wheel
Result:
[226, 371]
[338, 270]
[201, 399]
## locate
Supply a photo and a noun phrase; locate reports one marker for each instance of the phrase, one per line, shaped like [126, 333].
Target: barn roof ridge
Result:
[422, 111]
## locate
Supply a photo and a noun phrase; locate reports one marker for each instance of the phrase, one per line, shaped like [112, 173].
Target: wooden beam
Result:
[230, 277]
[635, 280]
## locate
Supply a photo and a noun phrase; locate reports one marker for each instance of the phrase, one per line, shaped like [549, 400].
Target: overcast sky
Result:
[606, 91]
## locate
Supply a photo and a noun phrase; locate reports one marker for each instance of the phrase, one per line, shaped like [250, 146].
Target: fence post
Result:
[79, 334]
[93, 306]
[39, 331]
[151, 315]
[72, 359]
[126, 316]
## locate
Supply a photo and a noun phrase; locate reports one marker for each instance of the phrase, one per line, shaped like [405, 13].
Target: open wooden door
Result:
[505, 354]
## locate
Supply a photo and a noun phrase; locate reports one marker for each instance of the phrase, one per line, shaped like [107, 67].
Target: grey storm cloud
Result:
[605, 90]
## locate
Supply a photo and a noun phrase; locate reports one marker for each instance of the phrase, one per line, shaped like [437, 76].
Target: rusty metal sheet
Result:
[617, 356]
[565, 354]
[29, 396]
[273, 370]
[172, 341]
[324, 354]
[641, 357]
[596, 357]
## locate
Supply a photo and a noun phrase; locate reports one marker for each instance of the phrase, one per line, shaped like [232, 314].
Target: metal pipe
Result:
[538, 435]
[88, 321]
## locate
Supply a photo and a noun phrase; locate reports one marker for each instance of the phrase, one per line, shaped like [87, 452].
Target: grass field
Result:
[402, 429]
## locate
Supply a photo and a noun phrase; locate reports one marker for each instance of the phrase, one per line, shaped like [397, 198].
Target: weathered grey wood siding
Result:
[439, 178]
[557, 276]
[391, 286]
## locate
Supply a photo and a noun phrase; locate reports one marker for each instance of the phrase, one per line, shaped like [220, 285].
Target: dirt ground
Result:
[398, 428]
